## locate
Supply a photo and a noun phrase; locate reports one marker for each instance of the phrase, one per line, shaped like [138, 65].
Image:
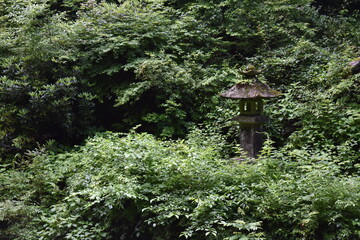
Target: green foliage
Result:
[320, 107]
[134, 186]
[68, 68]
[120, 56]
[37, 113]
[161, 63]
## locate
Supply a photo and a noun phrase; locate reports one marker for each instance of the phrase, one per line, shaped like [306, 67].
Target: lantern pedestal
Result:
[251, 138]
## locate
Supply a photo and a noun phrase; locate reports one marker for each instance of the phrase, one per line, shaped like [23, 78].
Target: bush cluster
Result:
[134, 186]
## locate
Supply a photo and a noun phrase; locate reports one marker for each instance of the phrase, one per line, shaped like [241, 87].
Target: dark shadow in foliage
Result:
[333, 7]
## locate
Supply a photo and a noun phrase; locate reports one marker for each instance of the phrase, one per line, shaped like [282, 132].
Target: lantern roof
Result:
[250, 90]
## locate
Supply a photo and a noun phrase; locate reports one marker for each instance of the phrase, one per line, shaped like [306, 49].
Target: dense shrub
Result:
[136, 187]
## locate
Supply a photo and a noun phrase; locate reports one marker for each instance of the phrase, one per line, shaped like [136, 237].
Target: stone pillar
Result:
[251, 138]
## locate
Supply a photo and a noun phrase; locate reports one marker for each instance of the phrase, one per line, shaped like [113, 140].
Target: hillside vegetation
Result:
[112, 127]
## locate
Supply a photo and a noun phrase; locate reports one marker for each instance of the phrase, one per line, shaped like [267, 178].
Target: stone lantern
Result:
[251, 97]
